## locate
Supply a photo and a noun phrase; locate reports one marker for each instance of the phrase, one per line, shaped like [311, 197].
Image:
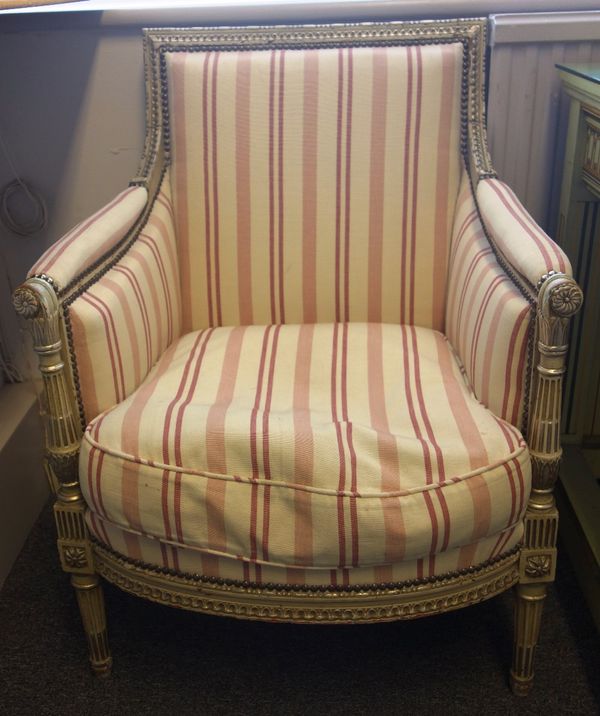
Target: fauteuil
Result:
[307, 367]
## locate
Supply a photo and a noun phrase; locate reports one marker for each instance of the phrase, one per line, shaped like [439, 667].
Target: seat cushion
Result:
[321, 445]
[189, 560]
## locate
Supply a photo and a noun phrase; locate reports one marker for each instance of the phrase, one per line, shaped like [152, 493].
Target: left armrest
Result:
[529, 250]
[91, 239]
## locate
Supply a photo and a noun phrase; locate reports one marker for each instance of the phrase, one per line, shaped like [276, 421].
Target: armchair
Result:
[308, 366]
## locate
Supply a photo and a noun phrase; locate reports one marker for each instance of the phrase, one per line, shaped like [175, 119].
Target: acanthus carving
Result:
[544, 471]
[64, 465]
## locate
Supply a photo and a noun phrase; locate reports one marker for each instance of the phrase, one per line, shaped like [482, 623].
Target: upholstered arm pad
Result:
[126, 318]
[87, 242]
[526, 247]
[488, 320]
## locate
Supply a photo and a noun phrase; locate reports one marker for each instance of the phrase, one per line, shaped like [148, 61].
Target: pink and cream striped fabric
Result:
[123, 322]
[528, 249]
[315, 185]
[487, 319]
[327, 445]
[193, 561]
[91, 239]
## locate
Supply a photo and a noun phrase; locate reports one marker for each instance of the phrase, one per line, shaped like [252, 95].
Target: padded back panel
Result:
[315, 185]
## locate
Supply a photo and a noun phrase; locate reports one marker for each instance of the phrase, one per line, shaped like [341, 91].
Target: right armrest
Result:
[489, 322]
[92, 239]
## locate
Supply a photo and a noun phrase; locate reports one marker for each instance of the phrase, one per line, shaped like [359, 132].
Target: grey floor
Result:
[172, 662]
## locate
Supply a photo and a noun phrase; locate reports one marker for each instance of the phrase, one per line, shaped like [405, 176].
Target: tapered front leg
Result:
[529, 603]
[91, 606]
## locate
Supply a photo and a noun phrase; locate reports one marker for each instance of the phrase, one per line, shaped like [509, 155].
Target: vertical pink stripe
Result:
[491, 346]
[216, 457]
[442, 184]
[281, 272]
[347, 188]
[517, 412]
[87, 381]
[131, 279]
[303, 447]
[215, 179]
[417, 432]
[253, 445]
[405, 183]
[142, 263]
[432, 440]
[395, 536]
[151, 244]
[180, 180]
[341, 453]
[309, 185]
[376, 182]
[463, 418]
[338, 186]
[415, 186]
[112, 341]
[207, 186]
[130, 346]
[350, 443]
[243, 186]
[272, 186]
[265, 441]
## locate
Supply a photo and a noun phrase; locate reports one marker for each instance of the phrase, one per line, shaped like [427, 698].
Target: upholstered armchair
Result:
[308, 366]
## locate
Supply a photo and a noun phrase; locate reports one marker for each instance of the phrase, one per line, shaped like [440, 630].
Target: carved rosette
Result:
[26, 302]
[538, 565]
[75, 557]
[559, 300]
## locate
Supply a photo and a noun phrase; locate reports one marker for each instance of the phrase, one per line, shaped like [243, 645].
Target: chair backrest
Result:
[314, 182]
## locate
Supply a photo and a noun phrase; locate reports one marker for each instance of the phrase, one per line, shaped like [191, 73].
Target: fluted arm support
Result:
[36, 302]
[559, 299]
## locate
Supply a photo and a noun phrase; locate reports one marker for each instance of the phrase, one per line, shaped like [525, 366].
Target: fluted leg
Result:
[529, 603]
[91, 606]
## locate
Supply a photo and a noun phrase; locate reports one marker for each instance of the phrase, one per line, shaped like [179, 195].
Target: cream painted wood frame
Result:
[529, 567]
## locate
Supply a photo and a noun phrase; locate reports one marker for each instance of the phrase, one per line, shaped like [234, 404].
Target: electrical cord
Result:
[39, 218]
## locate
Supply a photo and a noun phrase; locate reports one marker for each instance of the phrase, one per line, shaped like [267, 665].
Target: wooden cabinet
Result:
[579, 235]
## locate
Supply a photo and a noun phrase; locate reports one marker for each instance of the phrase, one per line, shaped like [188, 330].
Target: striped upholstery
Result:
[315, 185]
[328, 445]
[194, 561]
[124, 321]
[530, 251]
[91, 239]
[487, 319]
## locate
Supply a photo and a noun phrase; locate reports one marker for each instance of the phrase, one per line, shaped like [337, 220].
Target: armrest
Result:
[489, 321]
[123, 319]
[87, 242]
[530, 251]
